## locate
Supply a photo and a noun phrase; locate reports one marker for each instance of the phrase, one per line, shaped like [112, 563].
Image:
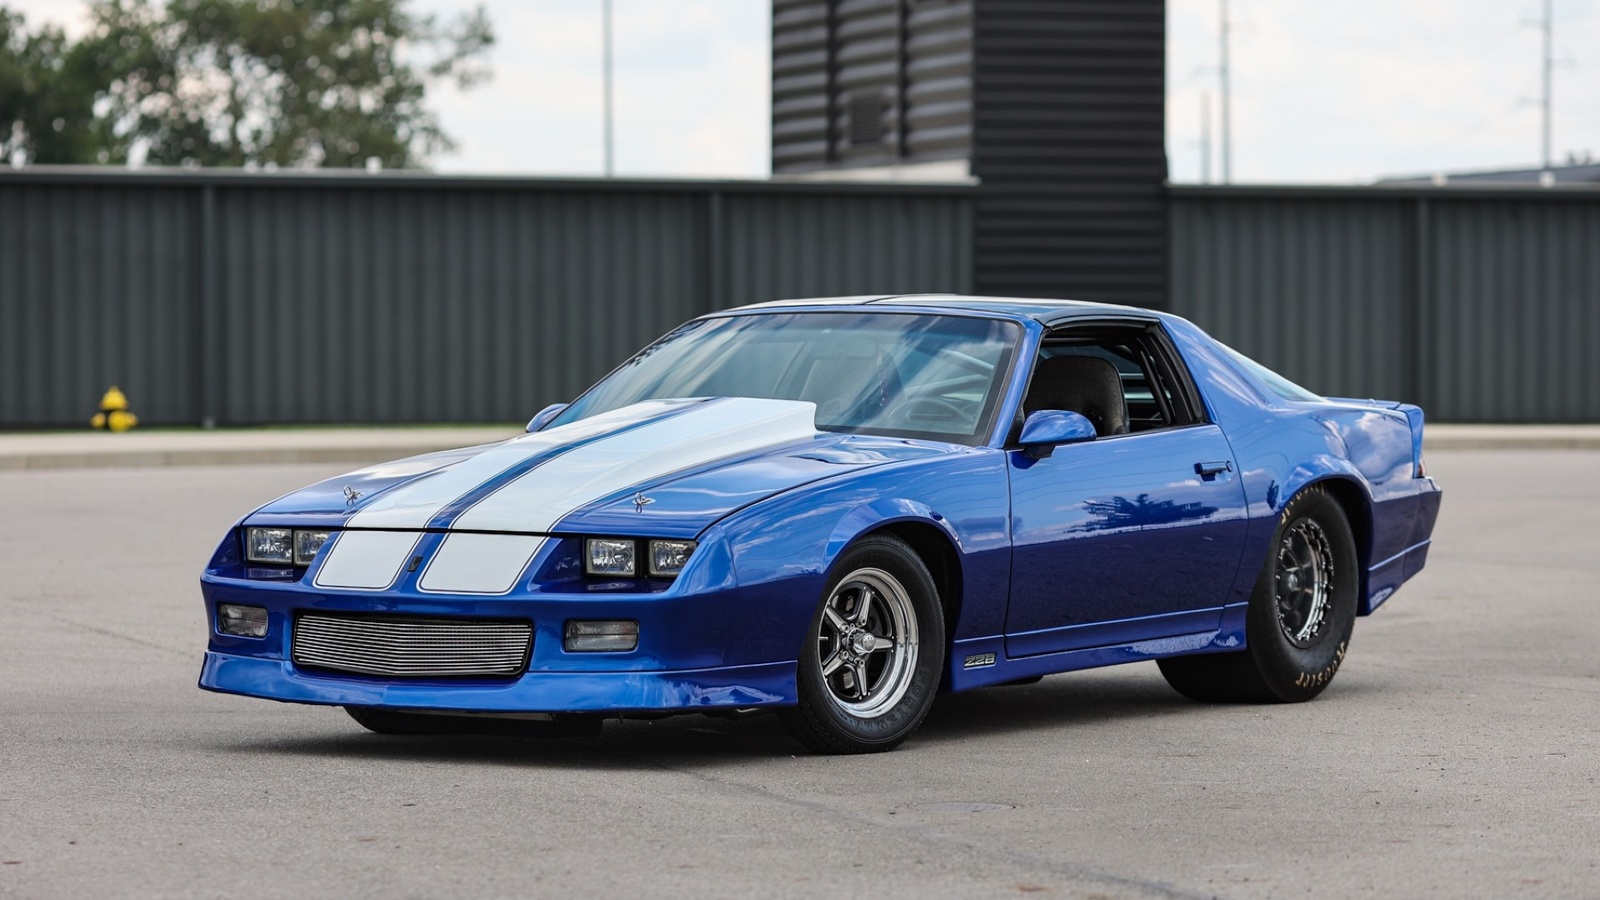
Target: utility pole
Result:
[605, 13]
[1205, 137]
[1549, 64]
[1227, 111]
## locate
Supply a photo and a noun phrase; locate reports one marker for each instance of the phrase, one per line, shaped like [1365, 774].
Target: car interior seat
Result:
[1087, 385]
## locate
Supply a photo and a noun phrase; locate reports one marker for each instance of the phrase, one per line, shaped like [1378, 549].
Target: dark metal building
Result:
[870, 83]
[1055, 107]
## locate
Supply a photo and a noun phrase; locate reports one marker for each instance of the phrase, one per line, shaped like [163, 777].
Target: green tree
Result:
[46, 96]
[292, 83]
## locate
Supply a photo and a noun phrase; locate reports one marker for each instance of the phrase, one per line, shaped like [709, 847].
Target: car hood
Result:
[662, 468]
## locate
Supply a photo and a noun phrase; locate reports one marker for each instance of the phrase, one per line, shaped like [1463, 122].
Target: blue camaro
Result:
[839, 508]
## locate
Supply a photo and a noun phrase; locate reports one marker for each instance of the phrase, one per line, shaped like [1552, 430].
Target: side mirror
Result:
[1047, 429]
[546, 416]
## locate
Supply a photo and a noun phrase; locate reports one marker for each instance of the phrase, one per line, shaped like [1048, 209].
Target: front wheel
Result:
[873, 654]
[1300, 617]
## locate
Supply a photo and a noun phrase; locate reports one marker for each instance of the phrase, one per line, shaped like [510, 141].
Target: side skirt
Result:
[980, 662]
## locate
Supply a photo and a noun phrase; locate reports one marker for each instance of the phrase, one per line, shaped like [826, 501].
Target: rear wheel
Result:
[1301, 614]
[873, 655]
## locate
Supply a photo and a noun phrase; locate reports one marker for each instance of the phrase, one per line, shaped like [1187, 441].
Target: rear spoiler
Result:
[1414, 417]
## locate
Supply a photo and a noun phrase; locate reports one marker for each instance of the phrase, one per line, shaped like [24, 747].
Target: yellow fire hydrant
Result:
[113, 414]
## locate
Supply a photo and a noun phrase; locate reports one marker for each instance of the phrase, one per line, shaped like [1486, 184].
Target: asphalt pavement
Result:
[1456, 754]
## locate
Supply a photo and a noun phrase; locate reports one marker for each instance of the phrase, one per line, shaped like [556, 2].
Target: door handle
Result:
[1213, 468]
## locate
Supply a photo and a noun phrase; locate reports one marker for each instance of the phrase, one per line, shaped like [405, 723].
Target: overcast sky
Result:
[1322, 91]
[1358, 89]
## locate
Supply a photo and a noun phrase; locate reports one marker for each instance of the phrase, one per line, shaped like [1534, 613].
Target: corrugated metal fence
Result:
[1481, 304]
[336, 298]
[244, 298]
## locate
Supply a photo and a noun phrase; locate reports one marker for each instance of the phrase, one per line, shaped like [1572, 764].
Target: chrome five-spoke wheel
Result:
[867, 645]
[874, 653]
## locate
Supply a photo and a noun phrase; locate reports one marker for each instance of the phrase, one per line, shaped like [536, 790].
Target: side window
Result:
[1123, 379]
[1174, 385]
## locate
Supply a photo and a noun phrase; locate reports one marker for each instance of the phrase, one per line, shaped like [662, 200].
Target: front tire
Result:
[873, 654]
[1301, 614]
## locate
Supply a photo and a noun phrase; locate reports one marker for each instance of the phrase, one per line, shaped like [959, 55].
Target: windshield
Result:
[875, 373]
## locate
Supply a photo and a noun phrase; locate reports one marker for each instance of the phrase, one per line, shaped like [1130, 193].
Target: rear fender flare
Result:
[1324, 470]
[1321, 468]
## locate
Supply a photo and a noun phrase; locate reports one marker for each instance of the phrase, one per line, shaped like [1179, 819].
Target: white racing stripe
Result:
[544, 496]
[415, 505]
[534, 502]
[366, 560]
[479, 563]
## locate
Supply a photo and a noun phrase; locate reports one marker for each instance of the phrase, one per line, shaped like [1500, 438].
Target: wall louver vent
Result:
[866, 117]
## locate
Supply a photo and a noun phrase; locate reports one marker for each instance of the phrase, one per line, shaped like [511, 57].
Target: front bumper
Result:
[769, 684]
[681, 661]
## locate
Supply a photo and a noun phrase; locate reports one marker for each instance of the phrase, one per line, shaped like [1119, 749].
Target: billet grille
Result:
[407, 647]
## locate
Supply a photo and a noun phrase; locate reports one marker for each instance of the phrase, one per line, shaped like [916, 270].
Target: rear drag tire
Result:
[1296, 634]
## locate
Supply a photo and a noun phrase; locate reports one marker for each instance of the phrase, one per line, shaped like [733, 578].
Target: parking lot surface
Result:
[1456, 754]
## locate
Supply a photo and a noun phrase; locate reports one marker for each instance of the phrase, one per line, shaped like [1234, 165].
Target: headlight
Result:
[667, 558]
[283, 546]
[269, 545]
[610, 556]
[306, 545]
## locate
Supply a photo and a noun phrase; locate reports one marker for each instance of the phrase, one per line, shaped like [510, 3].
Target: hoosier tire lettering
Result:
[1315, 679]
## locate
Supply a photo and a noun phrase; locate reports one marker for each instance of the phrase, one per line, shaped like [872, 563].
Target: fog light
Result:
[241, 621]
[609, 556]
[667, 558]
[269, 545]
[603, 636]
